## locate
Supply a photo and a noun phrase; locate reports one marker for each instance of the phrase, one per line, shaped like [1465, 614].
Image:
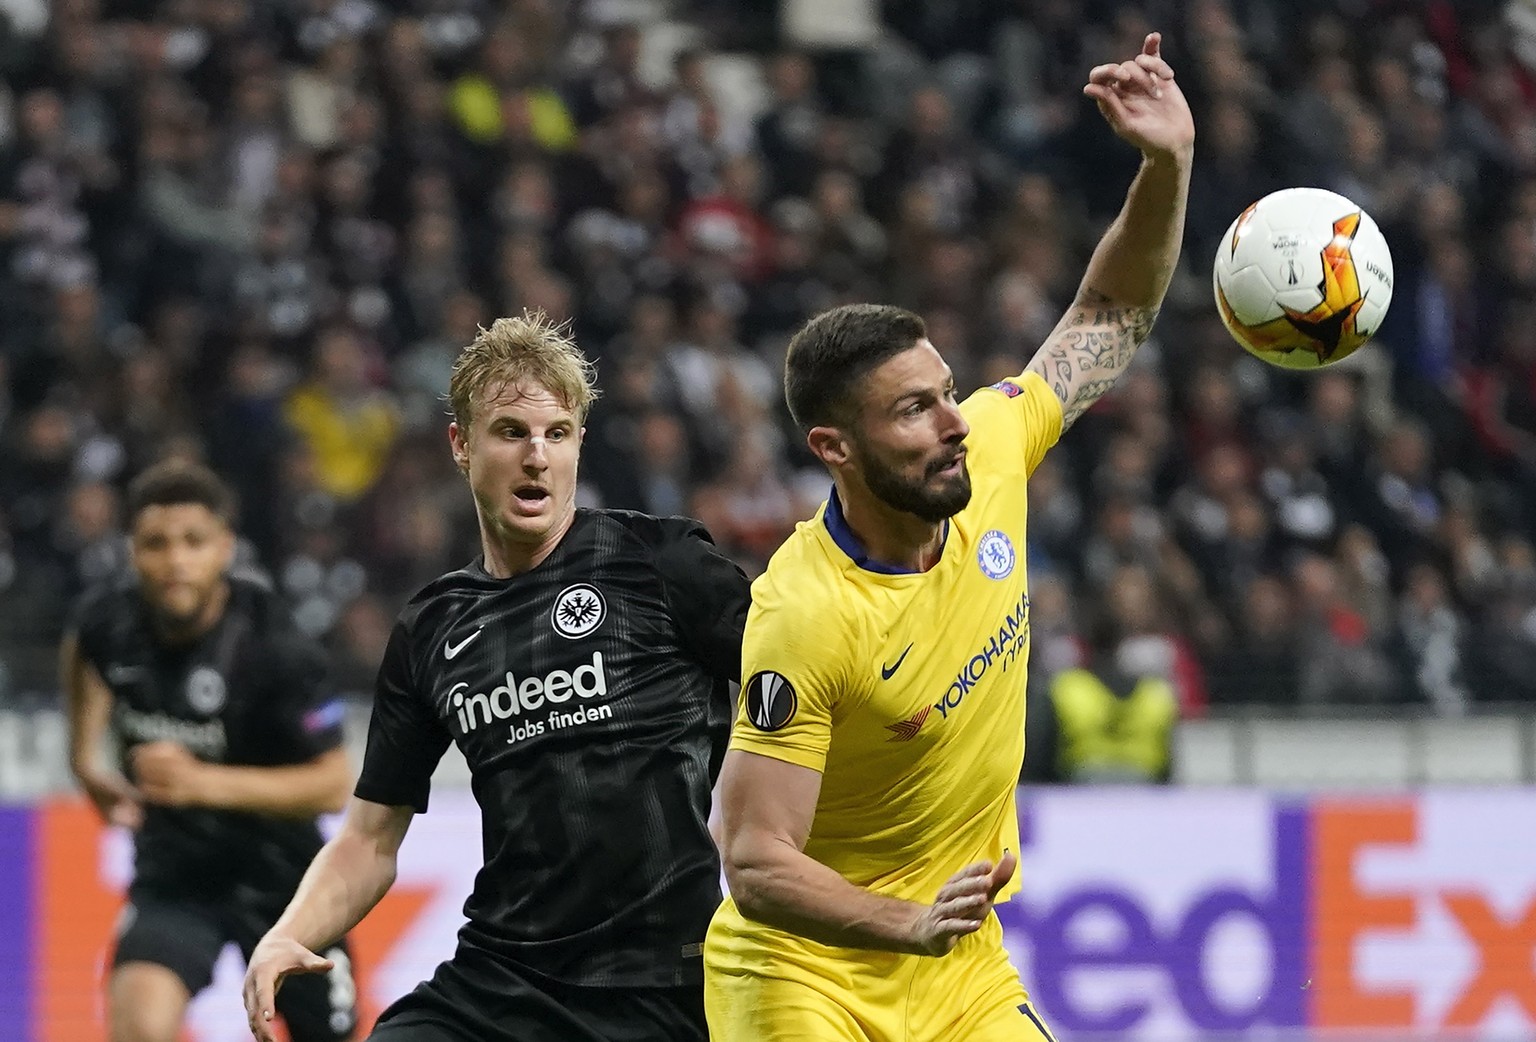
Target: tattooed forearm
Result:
[1094, 343]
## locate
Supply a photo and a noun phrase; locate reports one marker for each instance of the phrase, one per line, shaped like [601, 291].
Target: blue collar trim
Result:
[848, 543]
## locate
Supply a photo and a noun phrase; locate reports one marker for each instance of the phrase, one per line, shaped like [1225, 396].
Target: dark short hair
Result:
[179, 483]
[836, 349]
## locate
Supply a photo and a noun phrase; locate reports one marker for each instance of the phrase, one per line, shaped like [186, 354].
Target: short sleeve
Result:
[794, 678]
[405, 739]
[311, 713]
[1018, 419]
[708, 597]
[88, 622]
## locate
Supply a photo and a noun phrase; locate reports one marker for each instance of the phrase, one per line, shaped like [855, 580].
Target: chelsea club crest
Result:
[996, 555]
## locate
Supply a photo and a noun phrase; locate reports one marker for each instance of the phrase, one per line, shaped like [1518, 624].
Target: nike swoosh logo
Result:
[887, 672]
[451, 651]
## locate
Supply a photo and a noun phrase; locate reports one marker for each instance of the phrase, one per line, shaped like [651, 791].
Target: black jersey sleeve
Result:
[90, 620]
[310, 713]
[405, 739]
[707, 596]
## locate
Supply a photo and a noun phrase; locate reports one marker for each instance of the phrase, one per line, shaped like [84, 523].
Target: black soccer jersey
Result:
[250, 692]
[590, 697]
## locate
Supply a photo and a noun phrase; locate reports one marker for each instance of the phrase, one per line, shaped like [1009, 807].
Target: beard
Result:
[930, 503]
[179, 617]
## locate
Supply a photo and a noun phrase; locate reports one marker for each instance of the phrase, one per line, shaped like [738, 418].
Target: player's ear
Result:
[459, 443]
[828, 444]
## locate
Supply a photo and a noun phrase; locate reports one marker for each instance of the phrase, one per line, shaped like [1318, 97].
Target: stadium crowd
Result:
[258, 234]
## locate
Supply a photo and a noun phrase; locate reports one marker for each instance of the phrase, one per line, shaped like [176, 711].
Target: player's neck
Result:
[890, 536]
[505, 556]
[178, 631]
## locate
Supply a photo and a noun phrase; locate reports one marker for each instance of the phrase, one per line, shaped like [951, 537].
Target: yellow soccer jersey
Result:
[906, 690]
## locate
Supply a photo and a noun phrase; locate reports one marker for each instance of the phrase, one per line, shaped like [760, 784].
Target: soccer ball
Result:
[1303, 278]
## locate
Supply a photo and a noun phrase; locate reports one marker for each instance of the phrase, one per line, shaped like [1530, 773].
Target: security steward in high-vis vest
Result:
[1101, 726]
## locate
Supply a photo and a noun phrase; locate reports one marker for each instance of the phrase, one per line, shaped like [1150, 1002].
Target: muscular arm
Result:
[348, 877]
[768, 806]
[1120, 294]
[1128, 276]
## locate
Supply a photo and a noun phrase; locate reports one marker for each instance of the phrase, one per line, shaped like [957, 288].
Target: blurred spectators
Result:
[1111, 718]
[260, 235]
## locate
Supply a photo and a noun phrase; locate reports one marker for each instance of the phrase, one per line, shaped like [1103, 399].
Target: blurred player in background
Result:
[868, 796]
[583, 667]
[231, 745]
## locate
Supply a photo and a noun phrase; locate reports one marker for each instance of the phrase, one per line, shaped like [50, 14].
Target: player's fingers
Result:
[1152, 44]
[1111, 106]
[1155, 66]
[127, 814]
[1138, 79]
[1103, 74]
[974, 907]
[971, 878]
[950, 902]
[315, 964]
[998, 878]
[152, 750]
[266, 997]
[259, 1009]
[958, 927]
[958, 898]
[976, 868]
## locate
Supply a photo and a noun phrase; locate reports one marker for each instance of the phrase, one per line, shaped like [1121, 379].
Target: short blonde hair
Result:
[533, 348]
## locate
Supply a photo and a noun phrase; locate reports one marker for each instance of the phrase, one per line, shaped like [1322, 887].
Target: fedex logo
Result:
[1152, 916]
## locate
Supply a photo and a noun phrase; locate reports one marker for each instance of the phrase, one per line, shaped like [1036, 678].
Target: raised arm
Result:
[348, 877]
[767, 807]
[1129, 273]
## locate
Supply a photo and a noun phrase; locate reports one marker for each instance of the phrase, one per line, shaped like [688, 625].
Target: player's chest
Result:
[190, 697]
[577, 658]
[951, 654]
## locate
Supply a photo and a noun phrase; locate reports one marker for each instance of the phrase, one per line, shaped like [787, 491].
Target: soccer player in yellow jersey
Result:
[868, 795]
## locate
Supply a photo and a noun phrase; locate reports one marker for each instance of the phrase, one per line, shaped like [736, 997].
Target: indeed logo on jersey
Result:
[206, 739]
[1007, 644]
[514, 697]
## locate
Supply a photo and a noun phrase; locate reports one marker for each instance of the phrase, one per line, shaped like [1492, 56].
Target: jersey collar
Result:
[848, 543]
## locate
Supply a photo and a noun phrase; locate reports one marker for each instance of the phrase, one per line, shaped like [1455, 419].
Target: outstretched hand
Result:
[274, 959]
[963, 904]
[1141, 102]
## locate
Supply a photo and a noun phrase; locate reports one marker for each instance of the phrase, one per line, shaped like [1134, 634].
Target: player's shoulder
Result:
[808, 593]
[1013, 423]
[805, 558]
[1004, 398]
[648, 530]
[281, 646]
[104, 602]
[464, 583]
[253, 592]
[812, 642]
